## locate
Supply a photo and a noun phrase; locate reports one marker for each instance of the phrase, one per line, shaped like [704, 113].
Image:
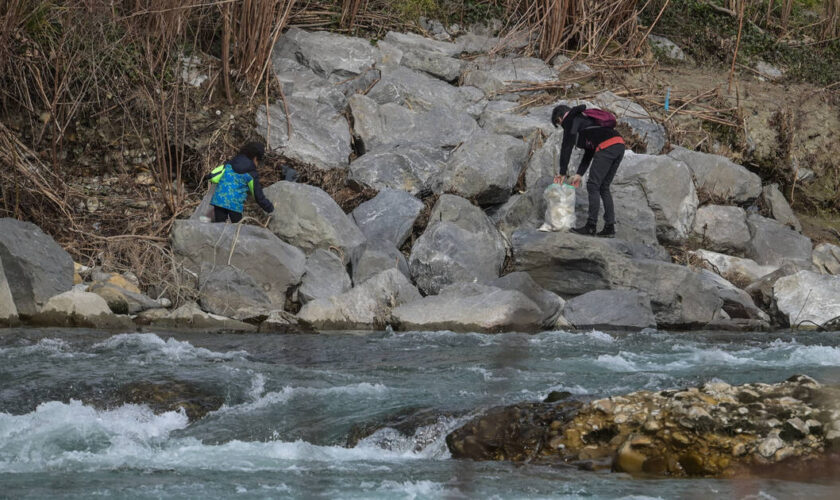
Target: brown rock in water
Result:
[166, 396]
[716, 430]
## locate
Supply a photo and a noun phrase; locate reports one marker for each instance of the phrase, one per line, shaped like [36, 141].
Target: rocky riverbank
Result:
[712, 430]
[439, 131]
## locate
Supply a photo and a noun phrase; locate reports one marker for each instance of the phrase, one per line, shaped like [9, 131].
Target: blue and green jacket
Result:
[235, 180]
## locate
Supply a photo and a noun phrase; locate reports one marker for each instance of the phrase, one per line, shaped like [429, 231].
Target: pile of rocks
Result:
[408, 116]
[713, 430]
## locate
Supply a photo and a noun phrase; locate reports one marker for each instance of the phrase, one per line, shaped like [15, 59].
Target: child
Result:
[235, 179]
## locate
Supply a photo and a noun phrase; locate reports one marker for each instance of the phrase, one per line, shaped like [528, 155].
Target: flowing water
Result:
[290, 403]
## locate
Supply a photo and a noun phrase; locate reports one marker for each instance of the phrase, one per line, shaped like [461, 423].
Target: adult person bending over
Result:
[235, 180]
[604, 148]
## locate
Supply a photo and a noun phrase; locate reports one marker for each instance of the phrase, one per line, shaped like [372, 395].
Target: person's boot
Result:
[607, 232]
[587, 230]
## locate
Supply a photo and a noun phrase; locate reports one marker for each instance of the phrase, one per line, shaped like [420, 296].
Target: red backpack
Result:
[600, 117]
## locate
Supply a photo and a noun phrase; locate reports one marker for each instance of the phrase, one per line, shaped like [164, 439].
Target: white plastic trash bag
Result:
[560, 207]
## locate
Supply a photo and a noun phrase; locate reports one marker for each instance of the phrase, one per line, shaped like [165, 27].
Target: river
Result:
[290, 403]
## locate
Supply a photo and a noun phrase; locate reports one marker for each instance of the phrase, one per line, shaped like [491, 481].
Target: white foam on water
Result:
[287, 393]
[57, 434]
[52, 348]
[170, 349]
[815, 355]
[412, 490]
[59, 437]
[600, 336]
[486, 374]
[617, 362]
[428, 441]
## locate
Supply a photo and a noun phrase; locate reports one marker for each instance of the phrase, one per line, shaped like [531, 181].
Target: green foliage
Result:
[709, 36]
[410, 10]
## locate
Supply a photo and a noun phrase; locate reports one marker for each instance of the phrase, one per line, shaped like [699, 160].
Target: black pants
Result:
[601, 174]
[222, 214]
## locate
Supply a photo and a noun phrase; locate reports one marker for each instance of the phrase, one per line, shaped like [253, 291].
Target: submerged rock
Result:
[36, 268]
[162, 397]
[715, 430]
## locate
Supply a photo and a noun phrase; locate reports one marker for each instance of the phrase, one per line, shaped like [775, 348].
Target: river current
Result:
[291, 402]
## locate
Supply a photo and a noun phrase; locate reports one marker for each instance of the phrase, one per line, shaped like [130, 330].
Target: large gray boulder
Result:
[301, 82]
[122, 301]
[718, 177]
[826, 258]
[761, 290]
[405, 86]
[635, 220]
[669, 191]
[460, 244]
[307, 217]
[326, 276]
[485, 169]
[779, 208]
[550, 304]
[327, 53]
[367, 306]
[79, 309]
[434, 63]
[190, 317]
[36, 268]
[520, 211]
[735, 269]
[471, 307]
[610, 310]
[651, 132]
[722, 229]
[8, 311]
[565, 263]
[408, 42]
[226, 290]
[408, 167]
[320, 134]
[737, 304]
[808, 299]
[273, 264]
[502, 117]
[772, 243]
[374, 257]
[494, 74]
[571, 265]
[389, 216]
[390, 124]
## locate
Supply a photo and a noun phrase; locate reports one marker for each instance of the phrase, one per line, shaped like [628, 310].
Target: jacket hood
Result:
[242, 164]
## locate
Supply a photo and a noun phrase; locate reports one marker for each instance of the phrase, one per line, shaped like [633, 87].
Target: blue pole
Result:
[667, 98]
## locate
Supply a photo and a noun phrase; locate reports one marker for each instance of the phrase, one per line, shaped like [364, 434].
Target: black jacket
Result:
[580, 131]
